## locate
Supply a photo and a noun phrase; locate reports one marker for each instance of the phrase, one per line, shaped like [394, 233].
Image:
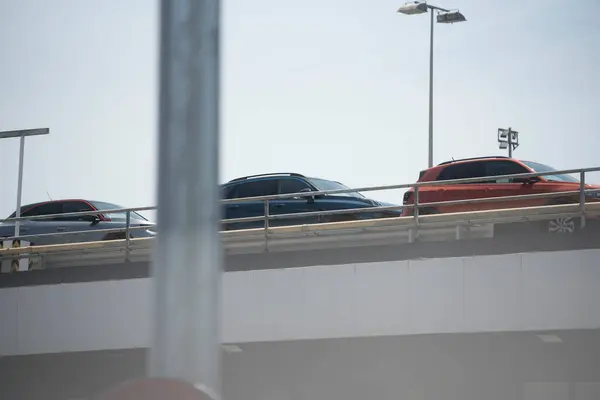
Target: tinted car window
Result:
[292, 186]
[225, 191]
[44, 209]
[462, 171]
[74, 206]
[265, 187]
[495, 168]
[24, 209]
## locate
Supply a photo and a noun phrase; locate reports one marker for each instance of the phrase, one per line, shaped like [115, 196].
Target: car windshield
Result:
[544, 168]
[109, 206]
[323, 185]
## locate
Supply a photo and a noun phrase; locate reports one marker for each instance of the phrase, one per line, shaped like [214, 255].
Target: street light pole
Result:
[430, 158]
[21, 134]
[510, 143]
[19, 185]
[446, 17]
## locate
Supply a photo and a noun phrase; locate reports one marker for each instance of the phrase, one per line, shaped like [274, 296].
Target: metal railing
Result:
[415, 219]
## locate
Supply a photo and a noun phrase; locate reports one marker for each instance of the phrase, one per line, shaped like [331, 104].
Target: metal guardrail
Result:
[583, 208]
[388, 231]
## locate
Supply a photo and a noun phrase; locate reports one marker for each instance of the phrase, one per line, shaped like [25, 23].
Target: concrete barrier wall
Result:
[511, 242]
[510, 292]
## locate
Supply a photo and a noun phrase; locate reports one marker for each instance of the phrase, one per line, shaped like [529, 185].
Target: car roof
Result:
[266, 175]
[274, 175]
[475, 159]
[39, 203]
[445, 164]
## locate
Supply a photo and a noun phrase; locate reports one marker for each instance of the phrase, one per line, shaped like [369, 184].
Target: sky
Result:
[328, 88]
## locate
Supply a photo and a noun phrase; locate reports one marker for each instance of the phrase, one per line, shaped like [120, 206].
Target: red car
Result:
[495, 166]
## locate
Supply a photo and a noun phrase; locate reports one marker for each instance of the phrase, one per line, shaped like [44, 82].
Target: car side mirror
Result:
[528, 181]
[309, 199]
[94, 219]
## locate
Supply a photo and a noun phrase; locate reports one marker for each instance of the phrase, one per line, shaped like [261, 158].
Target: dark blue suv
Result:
[286, 183]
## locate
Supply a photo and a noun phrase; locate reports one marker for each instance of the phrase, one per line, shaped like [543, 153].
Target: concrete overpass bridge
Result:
[512, 316]
[470, 306]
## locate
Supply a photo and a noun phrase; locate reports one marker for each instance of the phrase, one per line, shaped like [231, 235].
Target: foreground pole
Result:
[187, 259]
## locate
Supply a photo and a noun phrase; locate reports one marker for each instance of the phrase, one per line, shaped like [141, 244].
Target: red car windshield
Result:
[537, 167]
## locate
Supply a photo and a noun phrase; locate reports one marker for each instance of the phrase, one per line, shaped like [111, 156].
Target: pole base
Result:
[155, 389]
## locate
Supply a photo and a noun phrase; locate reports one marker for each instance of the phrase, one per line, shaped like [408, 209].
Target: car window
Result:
[263, 187]
[537, 167]
[325, 185]
[462, 171]
[495, 168]
[103, 206]
[44, 209]
[26, 208]
[74, 206]
[291, 185]
[225, 192]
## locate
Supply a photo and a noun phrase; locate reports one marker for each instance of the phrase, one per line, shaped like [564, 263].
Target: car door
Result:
[249, 208]
[79, 228]
[41, 226]
[461, 191]
[293, 205]
[507, 187]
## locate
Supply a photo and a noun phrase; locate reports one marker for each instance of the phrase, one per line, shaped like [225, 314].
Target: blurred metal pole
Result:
[187, 259]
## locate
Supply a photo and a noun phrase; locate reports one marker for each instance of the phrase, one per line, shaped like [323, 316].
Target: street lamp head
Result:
[450, 17]
[23, 133]
[502, 134]
[415, 7]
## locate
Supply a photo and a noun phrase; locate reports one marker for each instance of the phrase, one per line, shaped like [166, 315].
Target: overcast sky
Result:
[334, 89]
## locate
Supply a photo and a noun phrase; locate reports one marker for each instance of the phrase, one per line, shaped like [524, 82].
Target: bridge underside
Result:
[499, 366]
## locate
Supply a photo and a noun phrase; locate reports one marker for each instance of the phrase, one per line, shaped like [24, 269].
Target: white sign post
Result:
[21, 134]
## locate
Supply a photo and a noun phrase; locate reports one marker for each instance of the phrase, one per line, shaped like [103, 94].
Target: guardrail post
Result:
[127, 226]
[413, 233]
[582, 197]
[416, 203]
[266, 205]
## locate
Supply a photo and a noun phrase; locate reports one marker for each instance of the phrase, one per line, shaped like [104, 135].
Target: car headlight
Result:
[151, 232]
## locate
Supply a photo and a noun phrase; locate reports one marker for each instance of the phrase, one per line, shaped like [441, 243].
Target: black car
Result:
[287, 183]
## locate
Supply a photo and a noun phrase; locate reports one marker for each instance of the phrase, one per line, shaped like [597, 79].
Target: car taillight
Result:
[406, 197]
